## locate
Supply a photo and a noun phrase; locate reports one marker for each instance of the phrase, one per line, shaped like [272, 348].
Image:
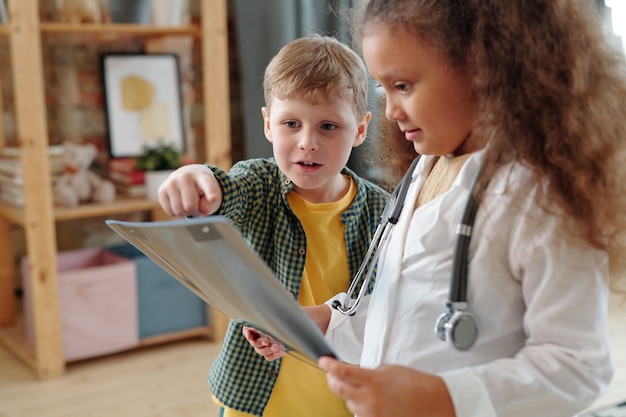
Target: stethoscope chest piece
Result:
[458, 328]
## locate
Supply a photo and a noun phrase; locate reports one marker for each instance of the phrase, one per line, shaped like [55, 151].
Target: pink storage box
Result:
[97, 302]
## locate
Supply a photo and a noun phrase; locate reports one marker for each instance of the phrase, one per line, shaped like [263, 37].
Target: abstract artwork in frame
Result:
[143, 102]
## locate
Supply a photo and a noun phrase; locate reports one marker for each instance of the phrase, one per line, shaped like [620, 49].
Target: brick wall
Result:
[74, 93]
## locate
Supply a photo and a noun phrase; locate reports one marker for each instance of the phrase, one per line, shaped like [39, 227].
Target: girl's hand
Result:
[263, 344]
[388, 390]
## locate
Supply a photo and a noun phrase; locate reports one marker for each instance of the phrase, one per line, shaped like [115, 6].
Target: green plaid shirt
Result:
[255, 200]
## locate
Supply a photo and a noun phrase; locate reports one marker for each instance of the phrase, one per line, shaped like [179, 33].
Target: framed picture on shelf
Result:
[143, 102]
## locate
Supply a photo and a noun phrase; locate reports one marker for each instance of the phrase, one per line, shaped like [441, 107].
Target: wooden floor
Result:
[161, 381]
[171, 381]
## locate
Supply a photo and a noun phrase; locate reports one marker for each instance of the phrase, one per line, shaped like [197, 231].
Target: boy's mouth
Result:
[308, 164]
[308, 167]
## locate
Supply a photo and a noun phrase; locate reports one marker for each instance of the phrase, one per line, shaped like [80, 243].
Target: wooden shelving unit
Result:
[49, 28]
[38, 217]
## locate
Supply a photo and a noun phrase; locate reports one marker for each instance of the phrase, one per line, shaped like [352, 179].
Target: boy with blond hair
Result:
[307, 215]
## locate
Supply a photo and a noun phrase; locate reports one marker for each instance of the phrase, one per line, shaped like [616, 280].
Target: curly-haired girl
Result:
[529, 94]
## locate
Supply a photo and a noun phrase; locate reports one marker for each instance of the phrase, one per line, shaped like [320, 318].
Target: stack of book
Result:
[12, 175]
[128, 179]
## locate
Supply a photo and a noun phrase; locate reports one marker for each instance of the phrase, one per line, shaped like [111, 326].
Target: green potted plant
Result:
[158, 161]
[162, 157]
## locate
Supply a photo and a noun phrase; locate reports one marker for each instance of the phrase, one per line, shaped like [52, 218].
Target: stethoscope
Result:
[456, 325]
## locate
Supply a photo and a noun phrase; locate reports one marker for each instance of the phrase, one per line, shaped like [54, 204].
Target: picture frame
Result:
[143, 102]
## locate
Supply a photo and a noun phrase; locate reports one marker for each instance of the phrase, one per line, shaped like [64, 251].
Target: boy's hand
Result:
[264, 345]
[191, 190]
[320, 314]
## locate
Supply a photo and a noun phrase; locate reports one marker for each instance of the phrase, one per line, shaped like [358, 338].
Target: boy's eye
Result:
[291, 124]
[327, 126]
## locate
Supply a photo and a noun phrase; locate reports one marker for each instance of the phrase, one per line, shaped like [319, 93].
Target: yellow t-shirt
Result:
[301, 389]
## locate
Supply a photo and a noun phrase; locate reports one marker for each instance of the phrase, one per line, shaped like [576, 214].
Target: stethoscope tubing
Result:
[458, 283]
[371, 259]
[457, 326]
[389, 217]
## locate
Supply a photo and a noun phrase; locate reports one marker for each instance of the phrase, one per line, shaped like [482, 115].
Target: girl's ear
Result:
[361, 132]
[266, 123]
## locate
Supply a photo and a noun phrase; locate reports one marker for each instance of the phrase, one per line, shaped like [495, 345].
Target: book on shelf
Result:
[123, 165]
[11, 168]
[13, 200]
[124, 173]
[14, 152]
[12, 174]
[138, 190]
[12, 192]
[128, 178]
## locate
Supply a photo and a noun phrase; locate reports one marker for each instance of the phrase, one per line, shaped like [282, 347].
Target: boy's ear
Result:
[361, 132]
[266, 124]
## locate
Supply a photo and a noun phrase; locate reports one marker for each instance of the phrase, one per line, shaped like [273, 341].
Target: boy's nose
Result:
[308, 141]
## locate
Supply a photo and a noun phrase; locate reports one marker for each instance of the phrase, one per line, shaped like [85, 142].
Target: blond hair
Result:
[317, 69]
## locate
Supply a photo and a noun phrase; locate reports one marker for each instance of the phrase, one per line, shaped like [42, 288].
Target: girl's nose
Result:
[393, 111]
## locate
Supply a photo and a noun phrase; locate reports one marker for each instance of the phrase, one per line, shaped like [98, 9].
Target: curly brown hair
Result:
[551, 94]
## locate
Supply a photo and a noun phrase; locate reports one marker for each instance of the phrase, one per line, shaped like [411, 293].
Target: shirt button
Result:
[271, 374]
[287, 181]
[301, 251]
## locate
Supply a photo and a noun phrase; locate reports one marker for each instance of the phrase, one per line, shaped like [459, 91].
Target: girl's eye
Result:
[291, 124]
[327, 126]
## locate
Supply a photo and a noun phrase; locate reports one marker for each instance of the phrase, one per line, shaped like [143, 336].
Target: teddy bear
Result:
[78, 184]
[80, 11]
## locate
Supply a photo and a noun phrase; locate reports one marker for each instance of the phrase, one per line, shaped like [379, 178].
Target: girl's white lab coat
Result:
[540, 298]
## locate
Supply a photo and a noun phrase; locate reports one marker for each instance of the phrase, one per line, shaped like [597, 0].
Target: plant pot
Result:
[153, 180]
[130, 11]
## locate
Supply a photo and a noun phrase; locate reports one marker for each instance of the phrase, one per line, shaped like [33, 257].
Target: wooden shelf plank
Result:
[108, 29]
[39, 227]
[50, 28]
[120, 206]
